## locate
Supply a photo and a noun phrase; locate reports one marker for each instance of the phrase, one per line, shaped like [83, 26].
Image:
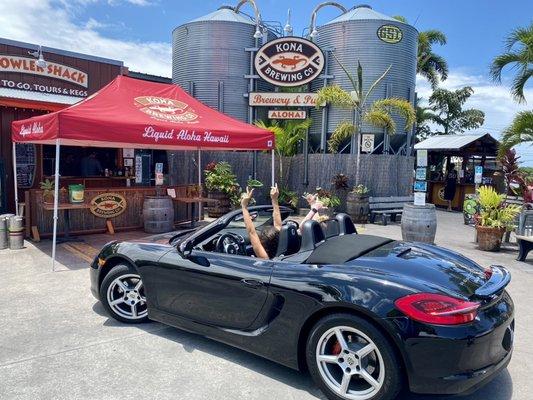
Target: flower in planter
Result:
[360, 190]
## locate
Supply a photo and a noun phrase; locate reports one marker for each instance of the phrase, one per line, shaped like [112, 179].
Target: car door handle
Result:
[252, 283]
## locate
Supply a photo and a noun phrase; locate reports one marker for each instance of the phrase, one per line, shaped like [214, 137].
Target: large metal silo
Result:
[209, 60]
[361, 35]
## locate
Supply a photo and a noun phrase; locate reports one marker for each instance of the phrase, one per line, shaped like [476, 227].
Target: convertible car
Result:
[365, 315]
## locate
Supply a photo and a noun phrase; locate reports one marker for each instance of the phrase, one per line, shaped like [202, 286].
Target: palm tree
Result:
[377, 114]
[423, 116]
[519, 56]
[288, 134]
[429, 64]
[520, 131]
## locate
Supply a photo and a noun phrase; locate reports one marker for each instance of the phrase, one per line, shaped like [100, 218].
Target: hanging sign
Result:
[283, 99]
[289, 61]
[367, 143]
[108, 205]
[159, 174]
[287, 114]
[419, 198]
[26, 65]
[421, 158]
[478, 177]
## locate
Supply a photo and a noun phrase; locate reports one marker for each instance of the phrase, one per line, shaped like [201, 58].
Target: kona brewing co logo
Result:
[108, 205]
[289, 61]
[390, 34]
[165, 109]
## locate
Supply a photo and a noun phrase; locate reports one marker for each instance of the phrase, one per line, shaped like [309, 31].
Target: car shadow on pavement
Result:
[501, 388]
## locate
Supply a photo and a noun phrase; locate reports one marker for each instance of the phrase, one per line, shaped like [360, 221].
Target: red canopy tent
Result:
[134, 113]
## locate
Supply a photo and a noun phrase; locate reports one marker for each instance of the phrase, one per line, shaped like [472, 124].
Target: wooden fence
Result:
[384, 175]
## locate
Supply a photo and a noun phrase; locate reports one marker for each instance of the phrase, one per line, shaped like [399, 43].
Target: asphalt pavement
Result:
[56, 341]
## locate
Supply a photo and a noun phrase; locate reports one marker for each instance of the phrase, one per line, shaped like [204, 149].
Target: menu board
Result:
[26, 164]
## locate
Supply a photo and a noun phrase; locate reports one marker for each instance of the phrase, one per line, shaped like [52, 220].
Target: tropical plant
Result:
[360, 190]
[429, 64]
[47, 186]
[494, 212]
[288, 197]
[340, 182]
[327, 198]
[288, 134]
[519, 56]
[520, 131]
[448, 112]
[377, 114]
[219, 177]
[423, 116]
[254, 183]
[511, 171]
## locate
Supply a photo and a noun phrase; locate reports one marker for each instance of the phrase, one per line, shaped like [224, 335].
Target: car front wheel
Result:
[349, 359]
[123, 295]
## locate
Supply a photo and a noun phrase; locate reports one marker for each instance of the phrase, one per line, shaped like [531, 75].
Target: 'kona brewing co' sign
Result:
[108, 205]
[289, 61]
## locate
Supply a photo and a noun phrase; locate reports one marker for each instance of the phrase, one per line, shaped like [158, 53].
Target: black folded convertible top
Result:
[340, 249]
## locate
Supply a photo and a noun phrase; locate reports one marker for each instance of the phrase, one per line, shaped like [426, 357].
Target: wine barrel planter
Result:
[489, 238]
[419, 223]
[158, 214]
[357, 207]
[222, 207]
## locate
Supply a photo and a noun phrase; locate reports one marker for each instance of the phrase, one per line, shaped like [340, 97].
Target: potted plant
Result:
[341, 189]
[222, 186]
[47, 186]
[329, 200]
[357, 204]
[494, 218]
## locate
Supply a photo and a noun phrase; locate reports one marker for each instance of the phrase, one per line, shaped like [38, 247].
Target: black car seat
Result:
[331, 228]
[345, 224]
[289, 240]
[312, 235]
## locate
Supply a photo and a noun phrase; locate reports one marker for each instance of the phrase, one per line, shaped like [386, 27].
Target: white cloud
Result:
[52, 24]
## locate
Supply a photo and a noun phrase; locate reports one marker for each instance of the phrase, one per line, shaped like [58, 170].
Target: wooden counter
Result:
[436, 194]
[83, 221]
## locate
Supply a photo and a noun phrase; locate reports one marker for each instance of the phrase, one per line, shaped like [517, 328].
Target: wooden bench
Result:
[519, 201]
[387, 207]
[524, 235]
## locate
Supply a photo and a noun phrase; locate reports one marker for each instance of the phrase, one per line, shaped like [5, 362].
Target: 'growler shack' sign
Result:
[108, 205]
[289, 61]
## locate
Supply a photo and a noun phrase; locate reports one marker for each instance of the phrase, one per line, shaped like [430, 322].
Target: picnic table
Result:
[66, 207]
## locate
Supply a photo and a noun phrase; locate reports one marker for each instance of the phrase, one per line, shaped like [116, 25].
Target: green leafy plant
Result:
[219, 177]
[288, 197]
[254, 183]
[360, 190]
[327, 198]
[48, 186]
[494, 212]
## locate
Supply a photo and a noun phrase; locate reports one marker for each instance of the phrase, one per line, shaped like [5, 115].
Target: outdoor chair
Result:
[524, 235]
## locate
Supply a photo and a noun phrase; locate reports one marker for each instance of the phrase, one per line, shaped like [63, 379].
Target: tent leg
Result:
[200, 205]
[56, 204]
[15, 183]
[273, 173]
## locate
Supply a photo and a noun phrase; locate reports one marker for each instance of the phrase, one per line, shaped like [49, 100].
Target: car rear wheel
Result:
[349, 359]
[123, 295]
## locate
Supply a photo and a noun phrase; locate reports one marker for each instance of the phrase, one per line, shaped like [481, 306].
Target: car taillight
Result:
[437, 309]
[488, 273]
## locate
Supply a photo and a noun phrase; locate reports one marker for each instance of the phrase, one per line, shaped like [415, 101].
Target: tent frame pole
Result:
[273, 172]
[15, 183]
[200, 205]
[56, 205]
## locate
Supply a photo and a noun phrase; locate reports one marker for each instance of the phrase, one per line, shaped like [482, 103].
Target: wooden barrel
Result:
[419, 223]
[158, 214]
[357, 207]
[222, 207]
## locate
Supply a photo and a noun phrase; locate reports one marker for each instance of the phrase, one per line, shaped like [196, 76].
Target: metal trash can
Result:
[4, 241]
[16, 232]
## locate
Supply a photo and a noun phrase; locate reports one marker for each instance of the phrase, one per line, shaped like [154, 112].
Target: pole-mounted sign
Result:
[289, 61]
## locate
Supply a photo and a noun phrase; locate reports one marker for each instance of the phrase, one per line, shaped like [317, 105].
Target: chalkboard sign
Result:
[26, 165]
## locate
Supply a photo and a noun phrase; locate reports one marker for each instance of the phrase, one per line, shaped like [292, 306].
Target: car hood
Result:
[427, 267]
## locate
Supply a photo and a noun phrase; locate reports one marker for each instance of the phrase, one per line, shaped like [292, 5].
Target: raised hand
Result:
[246, 197]
[311, 199]
[274, 192]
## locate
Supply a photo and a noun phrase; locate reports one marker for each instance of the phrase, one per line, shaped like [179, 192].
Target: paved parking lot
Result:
[56, 342]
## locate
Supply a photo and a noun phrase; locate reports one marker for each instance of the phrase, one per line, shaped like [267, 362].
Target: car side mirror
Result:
[200, 260]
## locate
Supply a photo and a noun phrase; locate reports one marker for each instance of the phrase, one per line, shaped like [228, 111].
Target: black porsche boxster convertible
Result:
[365, 315]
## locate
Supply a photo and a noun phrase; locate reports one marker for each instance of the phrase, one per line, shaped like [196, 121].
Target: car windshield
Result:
[260, 219]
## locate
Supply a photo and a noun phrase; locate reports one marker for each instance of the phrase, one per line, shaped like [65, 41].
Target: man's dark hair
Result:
[269, 238]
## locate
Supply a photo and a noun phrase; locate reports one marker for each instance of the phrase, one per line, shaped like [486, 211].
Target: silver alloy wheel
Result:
[350, 363]
[125, 296]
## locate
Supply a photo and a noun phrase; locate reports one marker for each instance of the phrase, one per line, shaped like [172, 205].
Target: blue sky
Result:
[139, 33]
